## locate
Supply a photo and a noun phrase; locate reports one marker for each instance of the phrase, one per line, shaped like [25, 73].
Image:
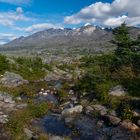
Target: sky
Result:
[25, 17]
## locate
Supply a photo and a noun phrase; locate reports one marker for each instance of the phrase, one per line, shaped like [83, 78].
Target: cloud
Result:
[4, 38]
[9, 18]
[16, 2]
[108, 14]
[39, 27]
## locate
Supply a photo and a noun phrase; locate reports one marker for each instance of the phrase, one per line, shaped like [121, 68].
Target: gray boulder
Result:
[6, 98]
[112, 119]
[10, 79]
[117, 91]
[101, 109]
[70, 111]
[29, 133]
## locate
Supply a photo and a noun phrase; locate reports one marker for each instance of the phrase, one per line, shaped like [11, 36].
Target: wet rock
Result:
[129, 125]
[111, 119]
[117, 91]
[10, 79]
[69, 120]
[48, 98]
[70, 111]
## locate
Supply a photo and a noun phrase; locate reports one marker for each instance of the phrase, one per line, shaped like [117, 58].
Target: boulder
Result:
[100, 108]
[55, 138]
[117, 91]
[69, 120]
[10, 79]
[136, 113]
[111, 119]
[6, 98]
[89, 110]
[29, 133]
[70, 111]
[129, 125]
[138, 122]
[21, 106]
[3, 119]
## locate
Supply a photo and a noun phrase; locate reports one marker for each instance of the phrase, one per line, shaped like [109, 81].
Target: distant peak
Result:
[88, 24]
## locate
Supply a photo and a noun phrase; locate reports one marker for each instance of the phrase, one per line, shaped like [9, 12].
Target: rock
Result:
[55, 138]
[129, 125]
[65, 105]
[6, 98]
[117, 91]
[73, 99]
[111, 119]
[102, 109]
[48, 98]
[71, 92]
[113, 113]
[10, 79]
[70, 111]
[3, 119]
[136, 113]
[21, 106]
[69, 120]
[18, 98]
[89, 110]
[28, 133]
[138, 122]
[100, 124]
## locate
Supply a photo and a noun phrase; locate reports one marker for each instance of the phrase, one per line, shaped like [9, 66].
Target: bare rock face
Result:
[10, 79]
[117, 91]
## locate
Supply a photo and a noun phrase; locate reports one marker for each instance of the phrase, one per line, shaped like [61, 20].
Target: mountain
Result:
[89, 37]
[86, 34]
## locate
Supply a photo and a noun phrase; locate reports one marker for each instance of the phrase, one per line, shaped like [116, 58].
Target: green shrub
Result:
[20, 119]
[4, 64]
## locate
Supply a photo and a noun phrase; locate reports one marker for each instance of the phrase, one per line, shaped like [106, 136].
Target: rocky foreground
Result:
[72, 117]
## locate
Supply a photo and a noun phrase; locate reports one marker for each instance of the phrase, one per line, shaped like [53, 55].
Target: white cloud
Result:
[108, 14]
[16, 2]
[9, 18]
[39, 27]
[4, 38]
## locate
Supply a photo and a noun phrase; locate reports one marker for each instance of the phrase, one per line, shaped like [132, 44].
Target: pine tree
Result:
[122, 39]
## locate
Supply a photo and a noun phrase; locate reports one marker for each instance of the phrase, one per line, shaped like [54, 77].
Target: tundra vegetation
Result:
[99, 73]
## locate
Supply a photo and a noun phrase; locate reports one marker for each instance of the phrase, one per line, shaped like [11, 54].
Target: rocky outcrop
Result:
[11, 80]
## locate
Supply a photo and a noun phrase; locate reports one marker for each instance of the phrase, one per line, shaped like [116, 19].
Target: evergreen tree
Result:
[122, 39]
